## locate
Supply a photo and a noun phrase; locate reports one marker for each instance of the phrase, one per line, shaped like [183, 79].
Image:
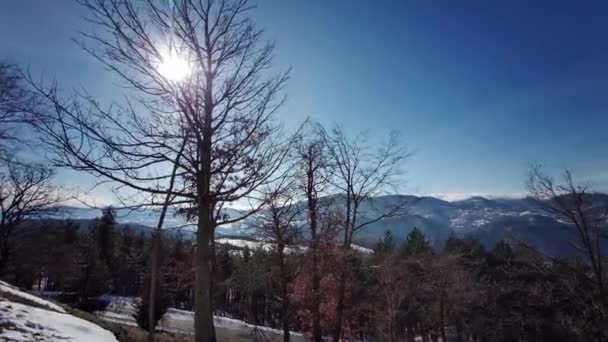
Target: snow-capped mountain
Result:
[489, 220]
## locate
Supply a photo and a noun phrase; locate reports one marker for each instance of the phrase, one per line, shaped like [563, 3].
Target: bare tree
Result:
[156, 245]
[222, 109]
[588, 217]
[280, 226]
[454, 290]
[360, 172]
[389, 293]
[25, 193]
[312, 172]
[14, 97]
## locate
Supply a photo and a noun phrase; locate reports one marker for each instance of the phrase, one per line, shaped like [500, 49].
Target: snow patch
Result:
[14, 291]
[176, 320]
[267, 246]
[26, 323]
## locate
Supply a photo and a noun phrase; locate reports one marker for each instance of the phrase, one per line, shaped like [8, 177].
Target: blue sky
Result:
[478, 89]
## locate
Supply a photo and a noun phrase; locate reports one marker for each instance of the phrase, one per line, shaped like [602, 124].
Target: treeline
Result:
[399, 292]
[85, 260]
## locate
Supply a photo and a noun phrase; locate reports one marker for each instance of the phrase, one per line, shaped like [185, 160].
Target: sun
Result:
[174, 67]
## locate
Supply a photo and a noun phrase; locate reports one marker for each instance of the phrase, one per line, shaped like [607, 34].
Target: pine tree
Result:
[161, 304]
[104, 236]
[386, 245]
[416, 244]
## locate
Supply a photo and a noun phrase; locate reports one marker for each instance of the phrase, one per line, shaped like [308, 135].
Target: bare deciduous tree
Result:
[280, 226]
[390, 293]
[587, 215]
[156, 245]
[313, 172]
[361, 172]
[14, 99]
[223, 110]
[454, 289]
[25, 193]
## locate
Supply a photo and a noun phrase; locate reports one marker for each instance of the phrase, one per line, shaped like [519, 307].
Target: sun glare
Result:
[174, 67]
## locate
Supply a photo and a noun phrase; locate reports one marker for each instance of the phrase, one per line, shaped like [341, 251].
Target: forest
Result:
[461, 292]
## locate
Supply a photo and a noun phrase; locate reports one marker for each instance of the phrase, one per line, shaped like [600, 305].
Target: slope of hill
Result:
[24, 317]
[489, 220]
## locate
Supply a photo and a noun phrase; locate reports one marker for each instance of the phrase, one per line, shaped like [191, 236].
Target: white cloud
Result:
[459, 196]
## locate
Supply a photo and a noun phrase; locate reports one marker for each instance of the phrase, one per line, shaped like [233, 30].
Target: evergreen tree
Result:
[416, 244]
[161, 303]
[104, 236]
[386, 245]
[467, 247]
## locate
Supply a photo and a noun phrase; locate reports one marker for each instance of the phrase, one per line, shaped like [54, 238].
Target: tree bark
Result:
[340, 304]
[203, 313]
[153, 281]
[284, 295]
[203, 310]
[337, 333]
[442, 318]
[316, 291]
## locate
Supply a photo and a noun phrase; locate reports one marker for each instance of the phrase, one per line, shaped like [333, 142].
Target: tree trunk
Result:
[316, 278]
[459, 332]
[156, 249]
[340, 304]
[316, 291]
[391, 329]
[342, 285]
[4, 249]
[285, 296]
[203, 311]
[153, 282]
[442, 319]
[411, 335]
[204, 330]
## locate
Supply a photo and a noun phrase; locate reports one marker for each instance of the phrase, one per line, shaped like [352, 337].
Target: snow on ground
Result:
[21, 322]
[114, 317]
[42, 320]
[252, 244]
[14, 291]
[121, 310]
[362, 249]
[182, 321]
[245, 243]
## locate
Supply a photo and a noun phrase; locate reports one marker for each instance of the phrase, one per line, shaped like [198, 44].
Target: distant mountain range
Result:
[489, 220]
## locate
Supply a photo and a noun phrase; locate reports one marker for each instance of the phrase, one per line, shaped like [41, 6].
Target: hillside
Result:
[489, 220]
[24, 317]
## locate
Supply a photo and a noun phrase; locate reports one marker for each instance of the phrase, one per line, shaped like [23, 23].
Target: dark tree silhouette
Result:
[279, 226]
[588, 217]
[15, 99]
[222, 110]
[312, 167]
[359, 172]
[25, 193]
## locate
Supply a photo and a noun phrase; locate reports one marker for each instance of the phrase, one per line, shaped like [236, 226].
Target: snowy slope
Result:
[26, 323]
[227, 329]
[6, 288]
[24, 317]
[121, 310]
[254, 244]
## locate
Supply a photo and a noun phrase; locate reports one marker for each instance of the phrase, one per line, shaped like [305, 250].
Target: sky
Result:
[478, 89]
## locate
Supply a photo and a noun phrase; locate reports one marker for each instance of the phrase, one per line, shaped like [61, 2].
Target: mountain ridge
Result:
[487, 219]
